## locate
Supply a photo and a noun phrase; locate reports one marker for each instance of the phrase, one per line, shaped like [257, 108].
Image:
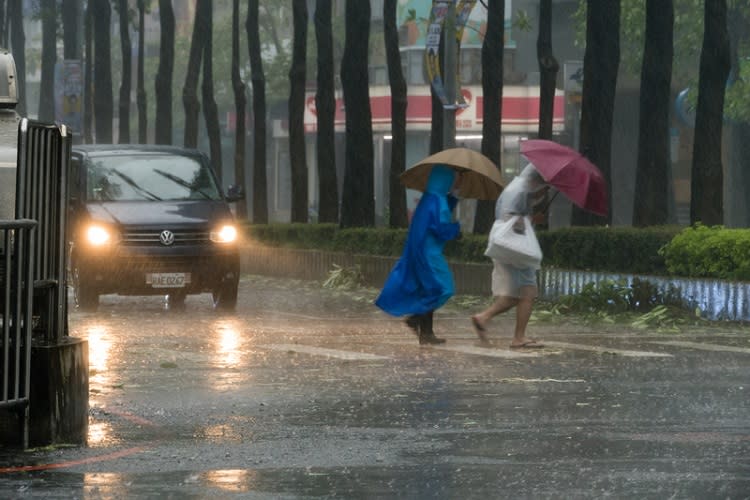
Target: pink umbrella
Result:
[569, 172]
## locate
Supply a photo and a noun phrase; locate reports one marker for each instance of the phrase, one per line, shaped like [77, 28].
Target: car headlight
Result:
[99, 236]
[224, 234]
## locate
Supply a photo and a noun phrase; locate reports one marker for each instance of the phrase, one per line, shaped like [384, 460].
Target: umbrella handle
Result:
[549, 202]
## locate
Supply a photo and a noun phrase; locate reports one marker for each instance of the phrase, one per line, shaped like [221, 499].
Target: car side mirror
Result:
[235, 193]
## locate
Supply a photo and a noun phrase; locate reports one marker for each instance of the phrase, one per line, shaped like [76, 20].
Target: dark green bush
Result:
[612, 249]
[709, 252]
[293, 235]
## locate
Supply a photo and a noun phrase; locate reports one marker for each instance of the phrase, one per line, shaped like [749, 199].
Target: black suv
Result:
[150, 220]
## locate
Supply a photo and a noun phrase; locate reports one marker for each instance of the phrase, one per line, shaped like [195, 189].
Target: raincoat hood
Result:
[441, 180]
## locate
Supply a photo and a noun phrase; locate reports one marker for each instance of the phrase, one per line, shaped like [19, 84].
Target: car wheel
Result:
[85, 295]
[225, 296]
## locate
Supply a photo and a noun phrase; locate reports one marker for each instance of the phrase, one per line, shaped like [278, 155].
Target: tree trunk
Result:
[398, 216]
[258, 79]
[654, 168]
[141, 92]
[548, 68]
[127, 73]
[71, 35]
[707, 176]
[103, 100]
[737, 208]
[88, 76]
[163, 83]
[493, 49]
[4, 24]
[18, 45]
[210, 111]
[189, 90]
[49, 57]
[325, 105]
[297, 113]
[240, 103]
[600, 65]
[358, 203]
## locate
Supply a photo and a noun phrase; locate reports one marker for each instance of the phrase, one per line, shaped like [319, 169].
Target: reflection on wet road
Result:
[315, 393]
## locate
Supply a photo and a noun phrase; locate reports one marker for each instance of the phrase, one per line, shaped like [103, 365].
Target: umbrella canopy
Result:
[569, 172]
[481, 178]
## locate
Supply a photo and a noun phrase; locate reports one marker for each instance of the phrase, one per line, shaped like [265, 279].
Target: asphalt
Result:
[307, 392]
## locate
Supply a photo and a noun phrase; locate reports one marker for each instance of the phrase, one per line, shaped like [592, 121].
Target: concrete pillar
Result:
[59, 399]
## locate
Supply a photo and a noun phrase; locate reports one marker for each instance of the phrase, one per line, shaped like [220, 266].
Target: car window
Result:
[156, 177]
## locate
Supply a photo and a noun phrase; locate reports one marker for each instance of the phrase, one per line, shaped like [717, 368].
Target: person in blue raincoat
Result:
[421, 280]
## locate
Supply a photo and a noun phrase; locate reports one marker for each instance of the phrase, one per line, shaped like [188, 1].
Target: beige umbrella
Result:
[481, 178]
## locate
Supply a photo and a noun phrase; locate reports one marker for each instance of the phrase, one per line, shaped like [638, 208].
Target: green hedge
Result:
[695, 252]
[612, 249]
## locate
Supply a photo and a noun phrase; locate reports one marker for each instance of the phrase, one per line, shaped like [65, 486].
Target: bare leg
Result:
[523, 314]
[498, 306]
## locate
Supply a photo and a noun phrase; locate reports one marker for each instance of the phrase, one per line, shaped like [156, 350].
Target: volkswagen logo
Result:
[166, 237]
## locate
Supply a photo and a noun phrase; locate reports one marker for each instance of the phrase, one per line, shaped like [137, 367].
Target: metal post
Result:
[449, 68]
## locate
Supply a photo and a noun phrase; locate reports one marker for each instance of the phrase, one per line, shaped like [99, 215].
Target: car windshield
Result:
[157, 177]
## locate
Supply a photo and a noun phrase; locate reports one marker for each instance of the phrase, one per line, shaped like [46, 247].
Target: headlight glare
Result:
[224, 234]
[98, 236]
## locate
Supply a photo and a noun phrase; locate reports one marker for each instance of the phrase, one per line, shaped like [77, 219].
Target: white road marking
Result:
[704, 347]
[607, 350]
[485, 351]
[319, 351]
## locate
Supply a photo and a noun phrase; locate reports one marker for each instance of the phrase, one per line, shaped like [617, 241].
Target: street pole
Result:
[449, 69]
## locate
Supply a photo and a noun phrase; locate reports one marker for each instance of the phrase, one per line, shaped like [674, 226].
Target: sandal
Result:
[529, 344]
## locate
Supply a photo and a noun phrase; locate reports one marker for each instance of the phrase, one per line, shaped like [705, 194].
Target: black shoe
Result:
[430, 339]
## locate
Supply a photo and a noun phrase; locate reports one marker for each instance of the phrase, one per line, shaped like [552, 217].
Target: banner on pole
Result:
[432, 47]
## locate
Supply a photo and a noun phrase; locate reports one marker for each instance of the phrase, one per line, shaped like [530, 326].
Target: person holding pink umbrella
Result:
[513, 286]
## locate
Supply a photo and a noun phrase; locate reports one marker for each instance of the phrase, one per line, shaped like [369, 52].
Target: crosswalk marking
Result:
[485, 351]
[319, 351]
[608, 350]
[704, 347]
[495, 352]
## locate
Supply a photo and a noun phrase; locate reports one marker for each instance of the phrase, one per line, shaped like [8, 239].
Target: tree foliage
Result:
[688, 39]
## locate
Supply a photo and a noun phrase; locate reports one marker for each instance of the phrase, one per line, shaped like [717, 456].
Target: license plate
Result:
[167, 280]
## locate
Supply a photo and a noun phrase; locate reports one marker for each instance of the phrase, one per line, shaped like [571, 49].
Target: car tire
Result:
[85, 295]
[225, 296]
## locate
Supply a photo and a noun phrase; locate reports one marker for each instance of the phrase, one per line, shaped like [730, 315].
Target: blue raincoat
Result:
[421, 280]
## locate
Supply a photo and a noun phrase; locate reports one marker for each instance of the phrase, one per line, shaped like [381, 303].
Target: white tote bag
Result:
[513, 242]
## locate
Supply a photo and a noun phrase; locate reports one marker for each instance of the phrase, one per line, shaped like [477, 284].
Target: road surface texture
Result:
[307, 392]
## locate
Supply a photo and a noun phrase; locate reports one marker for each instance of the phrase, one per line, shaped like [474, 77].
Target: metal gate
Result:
[42, 195]
[33, 288]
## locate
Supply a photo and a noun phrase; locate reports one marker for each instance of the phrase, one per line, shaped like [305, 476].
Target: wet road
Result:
[311, 393]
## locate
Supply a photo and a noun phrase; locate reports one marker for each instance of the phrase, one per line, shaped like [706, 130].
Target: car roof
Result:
[109, 149]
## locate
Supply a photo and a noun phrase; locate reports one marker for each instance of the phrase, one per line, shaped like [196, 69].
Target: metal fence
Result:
[42, 195]
[16, 289]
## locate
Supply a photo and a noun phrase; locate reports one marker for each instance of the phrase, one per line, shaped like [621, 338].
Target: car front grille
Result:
[152, 237]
